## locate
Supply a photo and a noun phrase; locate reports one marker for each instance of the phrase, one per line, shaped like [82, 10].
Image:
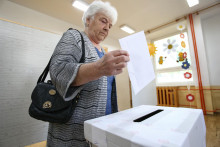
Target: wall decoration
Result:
[187, 75]
[181, 27]
[183, 44]
[106, 49]
[190, 97]
[152, 49]
[170, 46]
[161, 60]
[184, 55]
[182, 35]
[185, 65]
[181, 58]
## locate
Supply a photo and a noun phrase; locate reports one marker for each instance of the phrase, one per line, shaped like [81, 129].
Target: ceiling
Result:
[138, 14]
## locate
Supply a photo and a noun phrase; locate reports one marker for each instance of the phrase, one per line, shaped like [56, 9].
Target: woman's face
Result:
[98, 27]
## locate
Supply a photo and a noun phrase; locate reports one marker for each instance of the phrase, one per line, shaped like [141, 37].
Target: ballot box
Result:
[148, 126]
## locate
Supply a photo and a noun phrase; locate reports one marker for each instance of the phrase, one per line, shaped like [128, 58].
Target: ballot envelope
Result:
[148, 126]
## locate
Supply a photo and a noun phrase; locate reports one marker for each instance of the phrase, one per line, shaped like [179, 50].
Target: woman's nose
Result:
[106, 27]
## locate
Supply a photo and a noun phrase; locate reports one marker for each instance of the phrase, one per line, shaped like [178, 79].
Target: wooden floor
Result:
[212, 132]
[40, 144]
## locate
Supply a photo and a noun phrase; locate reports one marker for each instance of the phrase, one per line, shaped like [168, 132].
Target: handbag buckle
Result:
[52, 92]
[47, 105]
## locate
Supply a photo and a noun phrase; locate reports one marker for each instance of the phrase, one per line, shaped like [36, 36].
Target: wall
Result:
[41, 21]
[123, 90]
[210, 22]
[202, 62]
[24, 54]
[215, 95]
[211, 31]
[201, 51]
[33, 18]
[207, 39]
[148, 95]
[183, 91]
[206, 32]
[16, 127]
[216, 98]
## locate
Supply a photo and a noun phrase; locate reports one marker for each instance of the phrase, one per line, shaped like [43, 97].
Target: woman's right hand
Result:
[112, 63]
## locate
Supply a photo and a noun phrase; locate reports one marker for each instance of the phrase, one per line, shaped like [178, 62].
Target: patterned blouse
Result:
[110, 80]
[93, 95]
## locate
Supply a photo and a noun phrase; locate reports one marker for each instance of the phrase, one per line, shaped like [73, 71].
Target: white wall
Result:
[147, 96]
[211, 33]
[201, 51]
[26, 16]
[25, 53]
[207, 30]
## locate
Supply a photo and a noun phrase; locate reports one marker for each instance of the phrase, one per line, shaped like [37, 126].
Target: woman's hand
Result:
[112, 63]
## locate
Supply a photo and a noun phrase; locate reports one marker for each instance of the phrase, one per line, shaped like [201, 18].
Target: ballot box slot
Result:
[148, 115]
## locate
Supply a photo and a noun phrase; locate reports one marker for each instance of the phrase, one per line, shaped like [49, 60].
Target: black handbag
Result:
[47, 104]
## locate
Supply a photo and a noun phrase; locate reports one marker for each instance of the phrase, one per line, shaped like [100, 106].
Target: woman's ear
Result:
[87, 22]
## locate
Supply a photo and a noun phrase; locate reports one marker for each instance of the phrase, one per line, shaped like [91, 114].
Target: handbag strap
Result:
[46, 70]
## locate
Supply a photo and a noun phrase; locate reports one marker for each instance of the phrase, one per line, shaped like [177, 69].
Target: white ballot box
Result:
[148, 126]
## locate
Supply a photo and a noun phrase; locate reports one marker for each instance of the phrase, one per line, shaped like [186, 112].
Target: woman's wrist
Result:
[87, 72]
[96, 67]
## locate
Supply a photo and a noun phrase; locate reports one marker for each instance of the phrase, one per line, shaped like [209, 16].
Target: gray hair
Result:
[103, 7]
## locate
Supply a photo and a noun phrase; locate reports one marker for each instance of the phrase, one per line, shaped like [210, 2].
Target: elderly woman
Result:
[93, 80]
